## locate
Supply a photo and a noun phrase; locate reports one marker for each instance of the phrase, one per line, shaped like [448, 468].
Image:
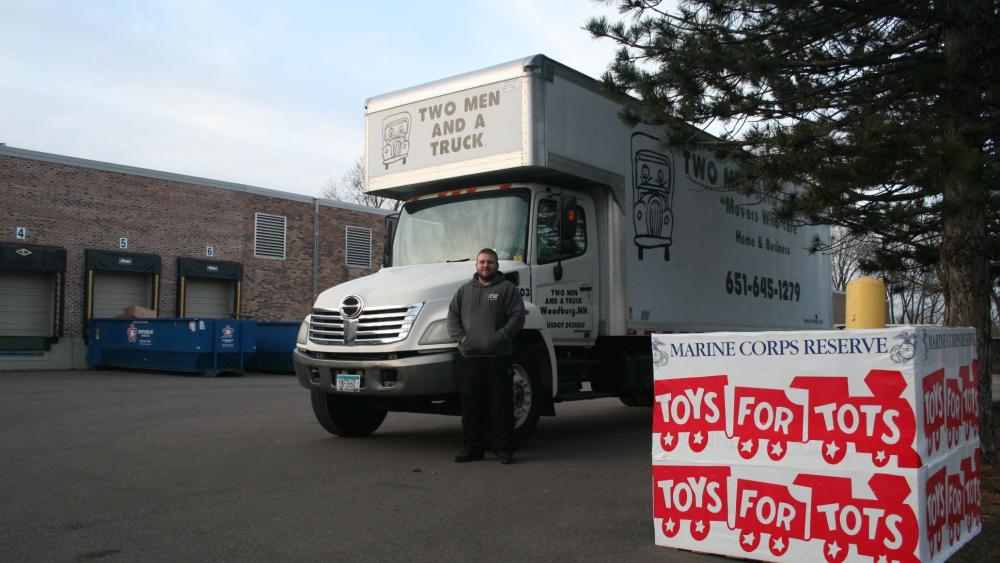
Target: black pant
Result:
[486, 386]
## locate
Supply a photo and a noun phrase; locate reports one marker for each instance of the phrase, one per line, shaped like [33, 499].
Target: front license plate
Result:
[349, 382]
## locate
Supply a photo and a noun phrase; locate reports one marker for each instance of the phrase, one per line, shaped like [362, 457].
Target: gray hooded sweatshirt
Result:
[484, 319]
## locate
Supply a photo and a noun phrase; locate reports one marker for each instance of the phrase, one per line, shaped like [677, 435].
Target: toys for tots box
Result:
[802, 446]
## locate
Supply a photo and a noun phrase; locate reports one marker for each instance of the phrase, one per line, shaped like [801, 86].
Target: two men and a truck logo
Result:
[395, 138]
[653, 182]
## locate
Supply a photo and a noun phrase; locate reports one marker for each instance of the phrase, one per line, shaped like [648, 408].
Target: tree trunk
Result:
[965, 247]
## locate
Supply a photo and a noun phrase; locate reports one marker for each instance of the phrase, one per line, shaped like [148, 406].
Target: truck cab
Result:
[380, 343]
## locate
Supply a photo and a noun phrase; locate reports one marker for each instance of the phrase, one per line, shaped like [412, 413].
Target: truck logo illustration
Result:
[395, 138]
[652, 212]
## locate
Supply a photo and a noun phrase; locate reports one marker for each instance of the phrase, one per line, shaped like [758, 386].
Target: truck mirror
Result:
[390, 232]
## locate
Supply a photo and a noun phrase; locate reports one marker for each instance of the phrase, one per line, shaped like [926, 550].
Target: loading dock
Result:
[208, 289]
[117, 280]
[32, 279]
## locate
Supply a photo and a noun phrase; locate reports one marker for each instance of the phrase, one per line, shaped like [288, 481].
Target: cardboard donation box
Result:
[858, 445]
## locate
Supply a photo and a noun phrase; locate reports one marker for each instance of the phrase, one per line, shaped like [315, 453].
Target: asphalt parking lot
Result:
[125, 466]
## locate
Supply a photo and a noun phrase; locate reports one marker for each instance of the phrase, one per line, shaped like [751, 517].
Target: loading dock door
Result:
[32, 284]
[209, 298]
[208, 289]
[27, 301]
[115, 291]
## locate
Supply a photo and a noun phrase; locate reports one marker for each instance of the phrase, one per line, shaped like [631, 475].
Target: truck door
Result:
[564, 266]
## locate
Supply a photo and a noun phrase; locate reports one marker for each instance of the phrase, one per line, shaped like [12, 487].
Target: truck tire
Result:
[348, 417]
[527, 396]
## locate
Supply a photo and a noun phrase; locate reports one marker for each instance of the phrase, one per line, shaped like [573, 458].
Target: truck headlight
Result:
[303, 337]
[437, 333]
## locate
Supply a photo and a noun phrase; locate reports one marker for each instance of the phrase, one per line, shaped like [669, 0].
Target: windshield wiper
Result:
[458, 260]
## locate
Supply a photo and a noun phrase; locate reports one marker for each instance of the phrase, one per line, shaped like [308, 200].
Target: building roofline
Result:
[6, 150]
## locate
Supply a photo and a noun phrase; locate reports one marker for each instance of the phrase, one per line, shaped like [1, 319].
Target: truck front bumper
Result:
[414, 376]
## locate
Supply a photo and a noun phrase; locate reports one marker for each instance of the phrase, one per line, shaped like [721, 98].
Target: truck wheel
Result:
[527, 397]
[348, 417]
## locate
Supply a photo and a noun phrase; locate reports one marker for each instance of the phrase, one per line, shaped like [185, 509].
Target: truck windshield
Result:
[455, 228]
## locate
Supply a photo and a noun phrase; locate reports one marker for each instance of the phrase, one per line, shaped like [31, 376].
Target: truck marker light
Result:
[470, 190]
[505, 186]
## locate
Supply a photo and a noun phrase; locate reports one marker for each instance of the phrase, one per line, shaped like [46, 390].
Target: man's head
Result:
[487, 263]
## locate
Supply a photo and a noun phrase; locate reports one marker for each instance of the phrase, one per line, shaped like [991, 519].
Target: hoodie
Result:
[484, 319]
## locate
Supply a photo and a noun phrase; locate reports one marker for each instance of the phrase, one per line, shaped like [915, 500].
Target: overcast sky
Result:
[247, 91]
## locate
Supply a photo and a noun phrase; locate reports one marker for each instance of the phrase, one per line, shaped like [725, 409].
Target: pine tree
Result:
[885, 114]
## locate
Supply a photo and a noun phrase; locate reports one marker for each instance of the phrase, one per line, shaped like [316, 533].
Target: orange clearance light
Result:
[470, 190]
[505, 186]
[442, 194]
[415, 198]
[572, 214]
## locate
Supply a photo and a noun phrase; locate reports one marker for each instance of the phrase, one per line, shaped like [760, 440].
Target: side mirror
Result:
[391, 221]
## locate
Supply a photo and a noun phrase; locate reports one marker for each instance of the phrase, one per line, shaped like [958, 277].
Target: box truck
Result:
[609, 235]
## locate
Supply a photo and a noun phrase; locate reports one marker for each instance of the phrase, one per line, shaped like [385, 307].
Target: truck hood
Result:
[404, 285]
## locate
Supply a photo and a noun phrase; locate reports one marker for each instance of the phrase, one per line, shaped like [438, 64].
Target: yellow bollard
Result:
[865, 303]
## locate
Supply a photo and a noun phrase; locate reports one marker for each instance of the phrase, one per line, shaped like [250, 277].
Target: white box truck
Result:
[610, 237]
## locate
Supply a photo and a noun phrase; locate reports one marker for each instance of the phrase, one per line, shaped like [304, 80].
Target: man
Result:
[483, 318]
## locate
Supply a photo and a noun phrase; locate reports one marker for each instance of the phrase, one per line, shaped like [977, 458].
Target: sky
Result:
[261, 93]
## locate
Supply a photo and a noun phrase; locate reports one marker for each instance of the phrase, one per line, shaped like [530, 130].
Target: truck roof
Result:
[472, 79]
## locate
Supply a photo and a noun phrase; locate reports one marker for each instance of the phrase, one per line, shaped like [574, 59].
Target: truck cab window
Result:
[547, 244]
[454, 228]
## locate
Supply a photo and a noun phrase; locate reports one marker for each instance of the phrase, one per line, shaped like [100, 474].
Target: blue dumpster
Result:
[275, 342]
[206, 346]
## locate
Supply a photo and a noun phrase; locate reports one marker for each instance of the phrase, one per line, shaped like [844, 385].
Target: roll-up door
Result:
[118, 280]
[115, 291]
[32, 284]
[27, 302]
[208, 298]
[208, 288]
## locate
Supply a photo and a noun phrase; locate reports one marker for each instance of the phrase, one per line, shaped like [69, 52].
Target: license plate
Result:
[349, 382]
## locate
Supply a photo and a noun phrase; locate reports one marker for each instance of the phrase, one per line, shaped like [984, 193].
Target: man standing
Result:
[483, 318]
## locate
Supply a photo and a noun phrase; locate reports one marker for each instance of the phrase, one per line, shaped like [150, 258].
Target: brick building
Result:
[81, 239]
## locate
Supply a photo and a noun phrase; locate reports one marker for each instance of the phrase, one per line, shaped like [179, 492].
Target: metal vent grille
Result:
[359, 247]
[376, 325]
[269, 236]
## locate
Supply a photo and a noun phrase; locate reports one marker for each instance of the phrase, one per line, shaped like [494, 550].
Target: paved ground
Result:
[119, 466]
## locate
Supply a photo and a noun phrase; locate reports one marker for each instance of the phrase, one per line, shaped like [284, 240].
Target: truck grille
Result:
[376, 325]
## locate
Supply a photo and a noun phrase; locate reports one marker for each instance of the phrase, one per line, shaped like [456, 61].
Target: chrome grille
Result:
[376, 325]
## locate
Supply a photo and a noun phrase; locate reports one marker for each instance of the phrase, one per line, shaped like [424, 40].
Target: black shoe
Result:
[506, 458]
[465, 456]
